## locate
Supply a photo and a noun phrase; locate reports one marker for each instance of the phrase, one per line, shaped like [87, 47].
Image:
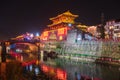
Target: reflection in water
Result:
[74, 70]
[56, 73]
[37, 71]
[91, 70]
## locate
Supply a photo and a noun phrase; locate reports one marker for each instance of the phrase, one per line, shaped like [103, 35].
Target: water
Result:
[88, 69]
[65, 66]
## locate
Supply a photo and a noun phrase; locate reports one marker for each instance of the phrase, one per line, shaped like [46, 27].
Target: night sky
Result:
[21, 16]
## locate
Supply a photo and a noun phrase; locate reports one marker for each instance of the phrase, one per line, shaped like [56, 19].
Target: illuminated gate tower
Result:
[57, 31]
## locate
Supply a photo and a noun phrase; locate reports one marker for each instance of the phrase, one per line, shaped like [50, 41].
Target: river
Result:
[87, 69]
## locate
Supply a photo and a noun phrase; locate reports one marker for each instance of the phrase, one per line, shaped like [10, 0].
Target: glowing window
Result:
[45, 33]
[60, 38]
[61, 31]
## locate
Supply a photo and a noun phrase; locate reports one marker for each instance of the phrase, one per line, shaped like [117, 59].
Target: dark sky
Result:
[21, 16]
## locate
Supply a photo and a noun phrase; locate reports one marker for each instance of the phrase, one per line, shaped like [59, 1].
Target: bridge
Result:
[16, 55]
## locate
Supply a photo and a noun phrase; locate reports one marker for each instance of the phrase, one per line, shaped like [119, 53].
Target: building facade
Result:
[64, 29]
[57, 31]
[112, 29]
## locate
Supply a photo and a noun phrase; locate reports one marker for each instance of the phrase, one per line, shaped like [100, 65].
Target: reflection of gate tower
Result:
[57, 31]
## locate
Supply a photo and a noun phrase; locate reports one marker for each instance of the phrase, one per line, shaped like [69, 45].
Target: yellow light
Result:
[60, 38]
[7, 43]
[66, 17]
[61, 31]
[37, 62]
[45, 33]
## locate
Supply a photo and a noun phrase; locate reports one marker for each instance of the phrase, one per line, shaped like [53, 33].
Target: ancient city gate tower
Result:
[57, 31]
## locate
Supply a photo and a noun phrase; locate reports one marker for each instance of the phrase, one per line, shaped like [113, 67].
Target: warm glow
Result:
[66, 17]
[45, 33]
[53, 36]
[7, 43]
[61, 31]
[92, 30]
[61, 74]
[45, 68]
[28, 63]
[60, 38]
[44, 38]
[111, 27]
[52, 70]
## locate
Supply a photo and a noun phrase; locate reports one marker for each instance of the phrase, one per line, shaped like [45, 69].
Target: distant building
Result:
[27, 37]
[112, 29]
[78, 33]
[93, 30]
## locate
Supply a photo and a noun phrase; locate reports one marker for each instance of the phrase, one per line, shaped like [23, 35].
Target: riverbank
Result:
[107, 63]
[98, 61]
[77, 58]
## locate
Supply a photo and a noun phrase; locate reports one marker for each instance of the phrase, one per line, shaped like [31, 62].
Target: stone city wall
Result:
[91, 49]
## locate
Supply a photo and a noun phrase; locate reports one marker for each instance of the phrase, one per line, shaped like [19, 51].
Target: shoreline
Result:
[90, 60]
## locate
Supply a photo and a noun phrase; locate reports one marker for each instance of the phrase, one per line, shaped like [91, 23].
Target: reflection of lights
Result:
[52, 70]
[61, 74]
[36, 71]
[45, 68]
[30, 67]
[28, 63]
[19, 50]
[26, 67]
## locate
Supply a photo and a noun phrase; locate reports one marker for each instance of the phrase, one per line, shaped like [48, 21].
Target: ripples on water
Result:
[103, 72]
[87, 69]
